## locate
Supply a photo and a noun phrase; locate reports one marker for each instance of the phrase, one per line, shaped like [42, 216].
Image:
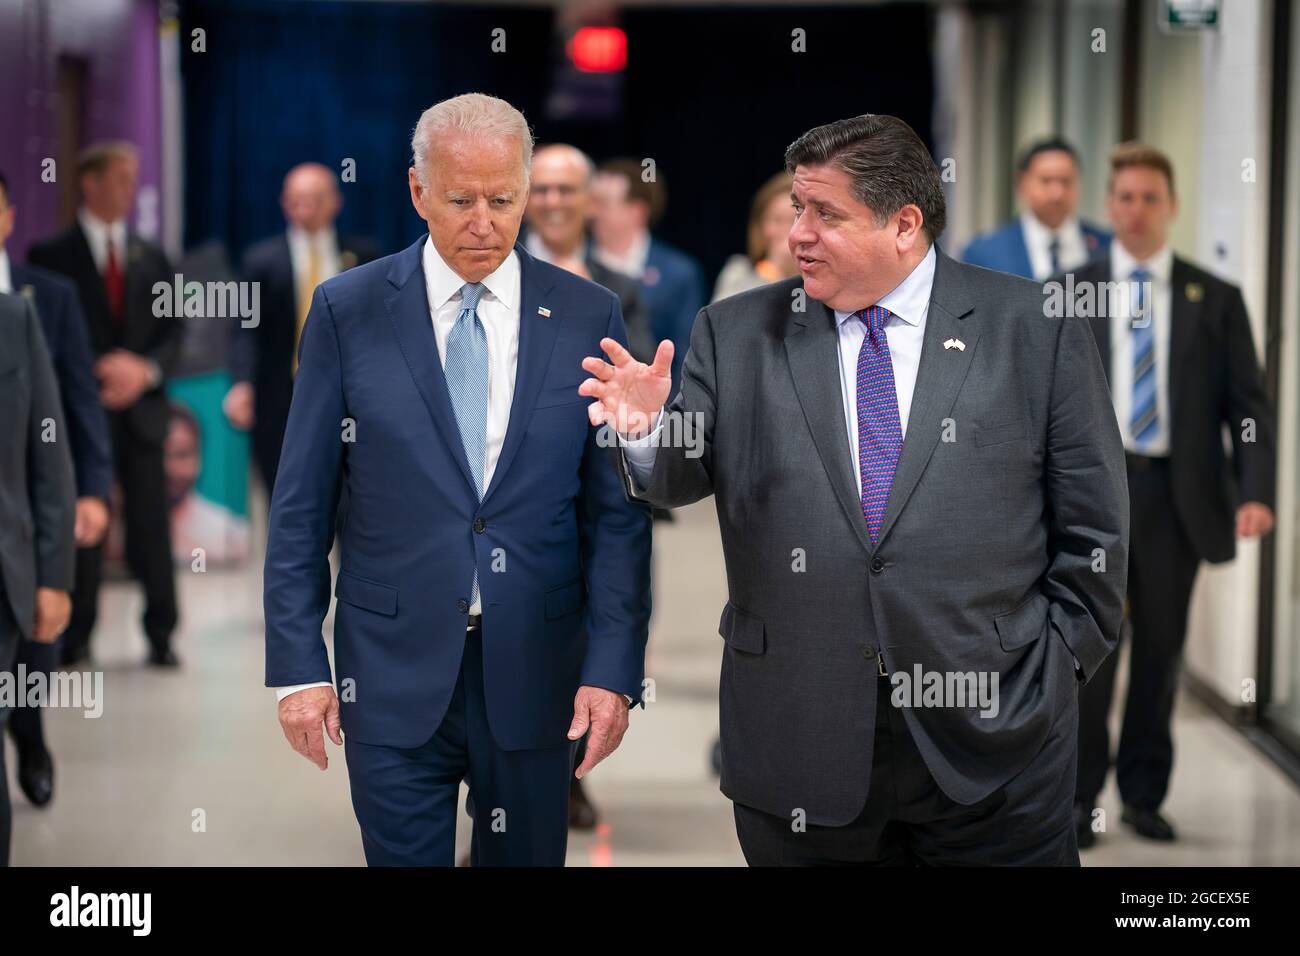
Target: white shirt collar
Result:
[325, 240]
[1036, 231]
[632, 262]
[100, 232]
[442, 281]
[6, 276]
[910, 299]
[1122, 263]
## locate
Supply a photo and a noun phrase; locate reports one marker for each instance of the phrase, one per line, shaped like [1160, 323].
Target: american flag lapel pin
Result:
[542, 310]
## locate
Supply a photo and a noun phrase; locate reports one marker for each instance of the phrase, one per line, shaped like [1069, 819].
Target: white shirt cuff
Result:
[640, 453]
[282, 692]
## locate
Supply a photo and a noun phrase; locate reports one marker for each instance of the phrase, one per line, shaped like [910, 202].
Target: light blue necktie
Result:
[466, 368]
[1144, 416]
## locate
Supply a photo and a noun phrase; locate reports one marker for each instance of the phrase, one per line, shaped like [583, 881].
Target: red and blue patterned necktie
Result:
[880, 434]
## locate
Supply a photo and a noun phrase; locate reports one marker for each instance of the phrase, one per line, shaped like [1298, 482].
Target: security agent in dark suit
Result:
[1177, 349]
[916, 476]
[37, 503]
[64, 327]
[288, 268]
[115, 272]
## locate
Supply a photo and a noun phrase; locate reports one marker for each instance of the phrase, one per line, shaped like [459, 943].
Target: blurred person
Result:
[38, 508]
[559, 200]
[912, 475]
[288, 267]
[493, 582]
[624, 206]
[115, 271]
[768, 256]
[197, 523]
[1177, 348]
[64, 328]
[1048, 237]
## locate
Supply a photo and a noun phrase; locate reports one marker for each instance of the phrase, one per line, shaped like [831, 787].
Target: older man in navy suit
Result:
[493, 582]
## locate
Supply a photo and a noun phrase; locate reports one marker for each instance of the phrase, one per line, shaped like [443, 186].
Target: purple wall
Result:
[118, 41]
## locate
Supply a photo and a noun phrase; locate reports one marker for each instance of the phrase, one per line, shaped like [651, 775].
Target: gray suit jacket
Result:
[38, 503]
[984, 564]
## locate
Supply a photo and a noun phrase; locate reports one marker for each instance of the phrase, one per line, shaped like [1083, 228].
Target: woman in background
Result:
[770, 219]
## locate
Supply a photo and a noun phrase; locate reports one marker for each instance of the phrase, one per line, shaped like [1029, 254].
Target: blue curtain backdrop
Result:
[714, 95]
[286, 82]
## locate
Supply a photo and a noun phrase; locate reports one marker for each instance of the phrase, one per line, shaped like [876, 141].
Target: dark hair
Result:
[653, 193]
[1053, 144]
[889, 165]
[1133, 153]
[4, 187]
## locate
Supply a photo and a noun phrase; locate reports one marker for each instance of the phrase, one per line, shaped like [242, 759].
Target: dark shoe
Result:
[582, 815]
[1083, 832]
[1148, 823]
[163, 657]
[35, 774]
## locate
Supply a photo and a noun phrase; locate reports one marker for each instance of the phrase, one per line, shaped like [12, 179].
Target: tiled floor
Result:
[191, 768]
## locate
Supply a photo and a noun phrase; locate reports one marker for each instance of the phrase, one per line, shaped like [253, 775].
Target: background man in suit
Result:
[288, 266]
[37, 504]
[918, 477]
[624, 207]
[115, 271]
[1048, 237]
[559, 202]
[491, 570]
[64, 328]
[1176, 345]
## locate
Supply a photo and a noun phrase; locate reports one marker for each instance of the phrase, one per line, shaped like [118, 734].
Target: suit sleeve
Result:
[615, 541]
[1255, 461]
[51, 483]
[296, 581]
[1087, 501]
[92, 454]
[165, 349]
[683, 465]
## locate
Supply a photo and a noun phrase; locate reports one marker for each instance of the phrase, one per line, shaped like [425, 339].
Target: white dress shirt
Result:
[6, 276]
[1072, 248]
[498, 310]
[631, 263]
[1122, 314]
[99, 234]
[909, 306]
[326, 244]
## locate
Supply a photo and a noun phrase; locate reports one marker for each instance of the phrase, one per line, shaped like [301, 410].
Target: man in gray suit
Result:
[38, 504]
[923, 506]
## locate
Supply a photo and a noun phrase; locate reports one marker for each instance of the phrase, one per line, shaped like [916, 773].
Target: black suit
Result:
[66, 337]
[1184, 512]
[37, 493]
[263, 355]
[137, 432]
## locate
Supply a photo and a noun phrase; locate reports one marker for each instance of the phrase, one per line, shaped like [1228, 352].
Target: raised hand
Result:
[628, 393]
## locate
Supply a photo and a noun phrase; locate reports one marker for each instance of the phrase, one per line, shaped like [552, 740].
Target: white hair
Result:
[473, 113]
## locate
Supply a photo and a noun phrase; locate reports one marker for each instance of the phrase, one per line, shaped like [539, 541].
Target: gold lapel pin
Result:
[543, 311]
[1194, 292]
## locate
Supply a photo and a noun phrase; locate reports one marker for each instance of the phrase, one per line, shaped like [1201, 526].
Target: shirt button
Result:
[462, 605]
[479, 525]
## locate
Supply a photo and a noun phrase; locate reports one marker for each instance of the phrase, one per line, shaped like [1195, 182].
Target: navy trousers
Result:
[405, 799]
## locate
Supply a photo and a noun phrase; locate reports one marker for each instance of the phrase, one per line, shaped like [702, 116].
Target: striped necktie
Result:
[880, 434]
[466, 368]
[1144, 419]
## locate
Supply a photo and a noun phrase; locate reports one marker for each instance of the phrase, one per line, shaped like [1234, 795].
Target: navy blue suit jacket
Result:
[674, 293]
[64, 325]
[1004, 249]
[563, 558]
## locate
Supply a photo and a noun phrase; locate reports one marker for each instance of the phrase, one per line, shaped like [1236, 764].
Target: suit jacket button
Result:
[877, 565]
[479, 525]
[868, 652]
[462, 605]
